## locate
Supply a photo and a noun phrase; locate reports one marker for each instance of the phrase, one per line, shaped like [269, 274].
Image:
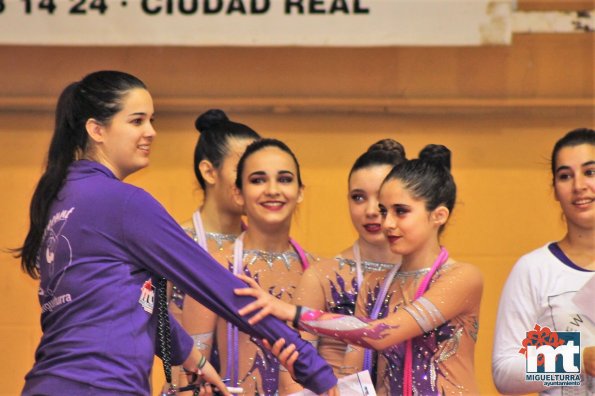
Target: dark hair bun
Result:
[209, 118]
[436, 153]
[388, 146]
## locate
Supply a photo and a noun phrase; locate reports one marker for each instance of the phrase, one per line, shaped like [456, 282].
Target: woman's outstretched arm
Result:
[156, 241]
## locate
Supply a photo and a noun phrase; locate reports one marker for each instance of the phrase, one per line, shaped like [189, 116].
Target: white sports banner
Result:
[353, 23]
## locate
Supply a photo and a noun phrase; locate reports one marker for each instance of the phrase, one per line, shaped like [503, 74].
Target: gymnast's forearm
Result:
[364, 332]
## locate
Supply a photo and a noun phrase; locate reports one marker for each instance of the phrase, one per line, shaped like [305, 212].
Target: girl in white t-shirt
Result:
[542, 286]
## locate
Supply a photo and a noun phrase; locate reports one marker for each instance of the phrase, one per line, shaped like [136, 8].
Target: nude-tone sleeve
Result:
[455, 291]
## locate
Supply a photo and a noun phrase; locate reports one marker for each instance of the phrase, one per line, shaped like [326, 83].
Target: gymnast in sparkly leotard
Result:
[332, 285]
[218, 221]
[269, 187]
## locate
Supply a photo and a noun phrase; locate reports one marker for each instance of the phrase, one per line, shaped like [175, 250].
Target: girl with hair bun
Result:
[218, 221]
[428, 308]
[332, 285]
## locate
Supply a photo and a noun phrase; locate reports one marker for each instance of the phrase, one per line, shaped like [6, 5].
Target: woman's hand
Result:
[265, 303]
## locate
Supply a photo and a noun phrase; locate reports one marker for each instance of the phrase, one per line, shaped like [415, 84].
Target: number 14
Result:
[78, 8]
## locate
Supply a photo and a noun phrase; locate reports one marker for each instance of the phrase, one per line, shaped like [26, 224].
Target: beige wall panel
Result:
[534, 67]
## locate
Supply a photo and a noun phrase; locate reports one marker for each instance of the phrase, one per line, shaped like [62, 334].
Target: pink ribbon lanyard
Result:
[423, 286]
[300, 252]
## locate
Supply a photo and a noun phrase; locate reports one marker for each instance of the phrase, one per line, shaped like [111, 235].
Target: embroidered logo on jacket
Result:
[54, 266]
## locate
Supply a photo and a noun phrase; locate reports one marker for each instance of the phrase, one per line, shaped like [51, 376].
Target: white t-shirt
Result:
[539, 290]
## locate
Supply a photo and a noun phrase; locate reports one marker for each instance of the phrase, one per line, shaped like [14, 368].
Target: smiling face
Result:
[407, 224]
[270, 190]
[364, 185]
[574, 184]
[124, 144]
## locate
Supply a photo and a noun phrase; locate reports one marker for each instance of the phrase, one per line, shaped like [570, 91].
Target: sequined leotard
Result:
[443, 353]
[279, 274]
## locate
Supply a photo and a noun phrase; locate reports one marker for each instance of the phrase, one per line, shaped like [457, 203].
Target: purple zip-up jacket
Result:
[106, 243]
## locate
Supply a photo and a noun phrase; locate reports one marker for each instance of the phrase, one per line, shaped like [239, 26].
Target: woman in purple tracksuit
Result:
[101, 249]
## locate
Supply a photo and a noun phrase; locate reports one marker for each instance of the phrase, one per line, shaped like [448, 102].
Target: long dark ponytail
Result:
[99, 96]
